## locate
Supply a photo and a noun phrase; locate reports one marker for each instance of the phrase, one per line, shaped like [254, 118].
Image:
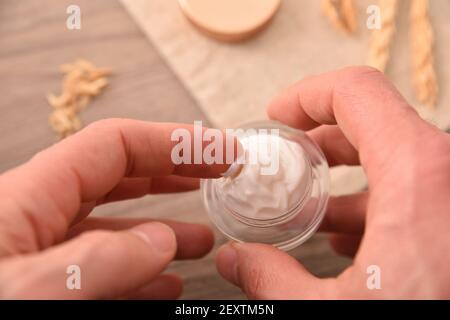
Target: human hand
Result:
[400, 225]
[45, 202]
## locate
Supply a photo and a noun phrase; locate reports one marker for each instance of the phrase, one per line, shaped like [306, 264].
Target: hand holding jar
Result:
[398, 228]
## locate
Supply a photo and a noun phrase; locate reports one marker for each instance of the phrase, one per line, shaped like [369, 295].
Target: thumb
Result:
[110, 265]
[265, 272]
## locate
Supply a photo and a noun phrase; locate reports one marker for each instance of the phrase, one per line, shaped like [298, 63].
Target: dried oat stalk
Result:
[341, 13]
[422, 40]
[381, 39]
[82, 82]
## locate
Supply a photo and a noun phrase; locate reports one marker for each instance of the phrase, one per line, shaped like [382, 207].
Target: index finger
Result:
[45, 193]
[371, 113]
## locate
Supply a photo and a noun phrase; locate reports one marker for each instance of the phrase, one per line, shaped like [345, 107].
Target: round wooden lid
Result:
[229, 20]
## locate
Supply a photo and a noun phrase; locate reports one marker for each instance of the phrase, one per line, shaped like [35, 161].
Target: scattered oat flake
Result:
[82, 82]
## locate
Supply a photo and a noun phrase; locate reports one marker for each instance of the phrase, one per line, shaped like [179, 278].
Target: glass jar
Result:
[282, 208]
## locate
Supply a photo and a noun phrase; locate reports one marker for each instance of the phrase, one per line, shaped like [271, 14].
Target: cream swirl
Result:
[267, 196]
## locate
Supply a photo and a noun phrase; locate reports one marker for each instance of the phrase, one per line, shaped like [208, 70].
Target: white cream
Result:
[255, 195]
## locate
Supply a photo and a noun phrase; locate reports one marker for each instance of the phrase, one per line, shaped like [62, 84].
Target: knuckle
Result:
[108, 131]
[436, 147]
[105, 126]
[354, 77]
[356, 74]
[258, 284]
[440, 143]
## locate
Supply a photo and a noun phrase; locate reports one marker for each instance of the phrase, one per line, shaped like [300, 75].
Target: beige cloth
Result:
[233, 83]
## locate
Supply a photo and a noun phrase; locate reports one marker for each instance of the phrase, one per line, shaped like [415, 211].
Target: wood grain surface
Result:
[34, 41]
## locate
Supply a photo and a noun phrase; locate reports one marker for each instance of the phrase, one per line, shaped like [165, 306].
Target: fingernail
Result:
[233, 171]
[160, 236]
[235, 168]
[228, 263]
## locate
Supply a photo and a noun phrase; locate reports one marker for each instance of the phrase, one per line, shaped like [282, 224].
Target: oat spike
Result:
[422, 40]
[82, 82]
[381, 39]
[341, 13]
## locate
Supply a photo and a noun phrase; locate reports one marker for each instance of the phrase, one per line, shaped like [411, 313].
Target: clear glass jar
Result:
[269, 214]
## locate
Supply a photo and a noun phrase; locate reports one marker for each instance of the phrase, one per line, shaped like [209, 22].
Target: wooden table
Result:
[34, 40]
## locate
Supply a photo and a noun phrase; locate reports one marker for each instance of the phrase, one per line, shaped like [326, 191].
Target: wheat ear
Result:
[341, 13]
[381, 39]
[422, 40]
